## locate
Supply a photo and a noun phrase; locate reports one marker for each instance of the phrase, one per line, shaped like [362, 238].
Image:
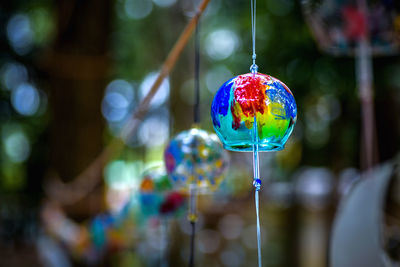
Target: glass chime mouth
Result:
[248, 147]
[250, 98]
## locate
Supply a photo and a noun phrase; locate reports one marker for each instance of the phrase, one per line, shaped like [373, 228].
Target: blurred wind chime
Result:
[353, 28]
[158, 204]
[194, 159]
[254, 112]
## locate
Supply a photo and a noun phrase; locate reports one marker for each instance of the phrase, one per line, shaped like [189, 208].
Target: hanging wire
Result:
[253, 67]
[192, 217]
[257, 187]
[196, 111]
[256, 162]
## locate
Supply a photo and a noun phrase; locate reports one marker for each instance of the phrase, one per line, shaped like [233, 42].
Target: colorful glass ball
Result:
[252, 97]
[196, 158]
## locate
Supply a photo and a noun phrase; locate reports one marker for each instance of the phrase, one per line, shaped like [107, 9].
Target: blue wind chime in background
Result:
[254, 112]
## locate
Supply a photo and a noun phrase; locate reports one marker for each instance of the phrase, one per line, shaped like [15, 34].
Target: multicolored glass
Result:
[196, 158]
[249, 98]
[156, 195]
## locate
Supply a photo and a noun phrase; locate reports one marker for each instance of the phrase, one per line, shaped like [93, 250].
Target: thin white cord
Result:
[253, 67]
[257, 186]
[256, 163]
[258, 229]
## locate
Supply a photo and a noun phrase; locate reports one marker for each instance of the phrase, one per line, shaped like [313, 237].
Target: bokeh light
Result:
[164, 3]
[117, 100]
[221, 43]
[314, 187]
[13, 74]
[20, 34]
[233, 256]
[137, 9]
[208, 241]
[231, 226]
[16, 144]
[162, 93]
[154, 131]
[249, 235]
[121, 174]
[216, 76]
[43, 25]
[25, 99]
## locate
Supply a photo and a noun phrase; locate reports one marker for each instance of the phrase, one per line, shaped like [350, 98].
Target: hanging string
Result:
[257, 186]
[256, 163]
[164, 243]
[196, 111]
[192, 217]
[253, 67]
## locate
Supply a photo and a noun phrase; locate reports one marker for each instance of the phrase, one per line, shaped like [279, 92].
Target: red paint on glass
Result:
[236, 117]
[249, 94]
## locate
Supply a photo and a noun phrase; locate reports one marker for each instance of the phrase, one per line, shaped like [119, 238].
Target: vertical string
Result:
[258, 229]
[192, 238]
[257, 186]
[253, 67]
[196, 111]
[256, 163]
[192, 217]
[164, 243]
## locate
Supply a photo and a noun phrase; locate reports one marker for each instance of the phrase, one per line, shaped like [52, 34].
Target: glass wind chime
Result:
[254, 112]
[362, 29]
[195, 159]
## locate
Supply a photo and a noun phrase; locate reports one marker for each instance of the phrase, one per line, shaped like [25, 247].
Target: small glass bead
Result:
[257, 184]
[254, 68]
